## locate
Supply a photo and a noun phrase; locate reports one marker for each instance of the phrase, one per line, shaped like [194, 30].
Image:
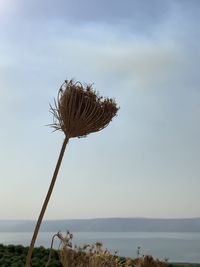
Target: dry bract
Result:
[79, 110]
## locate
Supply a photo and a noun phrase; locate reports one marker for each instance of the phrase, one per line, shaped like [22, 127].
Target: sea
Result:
[175, 247]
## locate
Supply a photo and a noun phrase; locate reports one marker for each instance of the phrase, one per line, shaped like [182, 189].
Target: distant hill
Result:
[105, 225]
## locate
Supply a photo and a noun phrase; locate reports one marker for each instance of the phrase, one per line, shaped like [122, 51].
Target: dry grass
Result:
[148, 261]
[87, 255]
[96, 256]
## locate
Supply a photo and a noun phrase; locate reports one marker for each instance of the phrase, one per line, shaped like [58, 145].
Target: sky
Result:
[143, 53]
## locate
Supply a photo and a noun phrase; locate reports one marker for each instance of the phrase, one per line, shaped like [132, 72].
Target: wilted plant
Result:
[89, 255]
[78, 111]
[149, 261]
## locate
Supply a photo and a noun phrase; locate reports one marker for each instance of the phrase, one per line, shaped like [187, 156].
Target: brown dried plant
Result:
[88, 255]
[94, 255]
[78, 111]
[149, 261]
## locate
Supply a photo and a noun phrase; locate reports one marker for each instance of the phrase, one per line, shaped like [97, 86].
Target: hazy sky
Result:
[143, 53]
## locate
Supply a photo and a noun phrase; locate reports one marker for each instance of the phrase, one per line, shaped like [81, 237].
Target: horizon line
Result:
[107, 218]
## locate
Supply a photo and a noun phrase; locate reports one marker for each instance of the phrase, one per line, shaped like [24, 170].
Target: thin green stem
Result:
[39, 221]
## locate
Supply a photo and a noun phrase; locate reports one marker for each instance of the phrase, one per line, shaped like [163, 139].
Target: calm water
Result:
[177, 247]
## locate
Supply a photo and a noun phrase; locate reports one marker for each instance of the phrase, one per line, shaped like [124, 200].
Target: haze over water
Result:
[177, 247]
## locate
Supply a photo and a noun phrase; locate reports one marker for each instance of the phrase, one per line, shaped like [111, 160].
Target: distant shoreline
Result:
[190, 225]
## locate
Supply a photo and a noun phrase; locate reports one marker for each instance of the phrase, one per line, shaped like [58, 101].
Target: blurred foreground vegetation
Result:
[15, 255]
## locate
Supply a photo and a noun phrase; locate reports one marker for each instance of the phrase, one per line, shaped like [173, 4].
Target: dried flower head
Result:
[80, 111]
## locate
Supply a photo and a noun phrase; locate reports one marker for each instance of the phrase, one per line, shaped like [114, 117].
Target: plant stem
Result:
[39, 221]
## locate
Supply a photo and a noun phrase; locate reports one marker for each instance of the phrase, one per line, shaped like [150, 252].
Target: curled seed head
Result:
[79, 111]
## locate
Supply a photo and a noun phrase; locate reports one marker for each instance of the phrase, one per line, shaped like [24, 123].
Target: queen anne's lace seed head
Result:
[80, 111]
